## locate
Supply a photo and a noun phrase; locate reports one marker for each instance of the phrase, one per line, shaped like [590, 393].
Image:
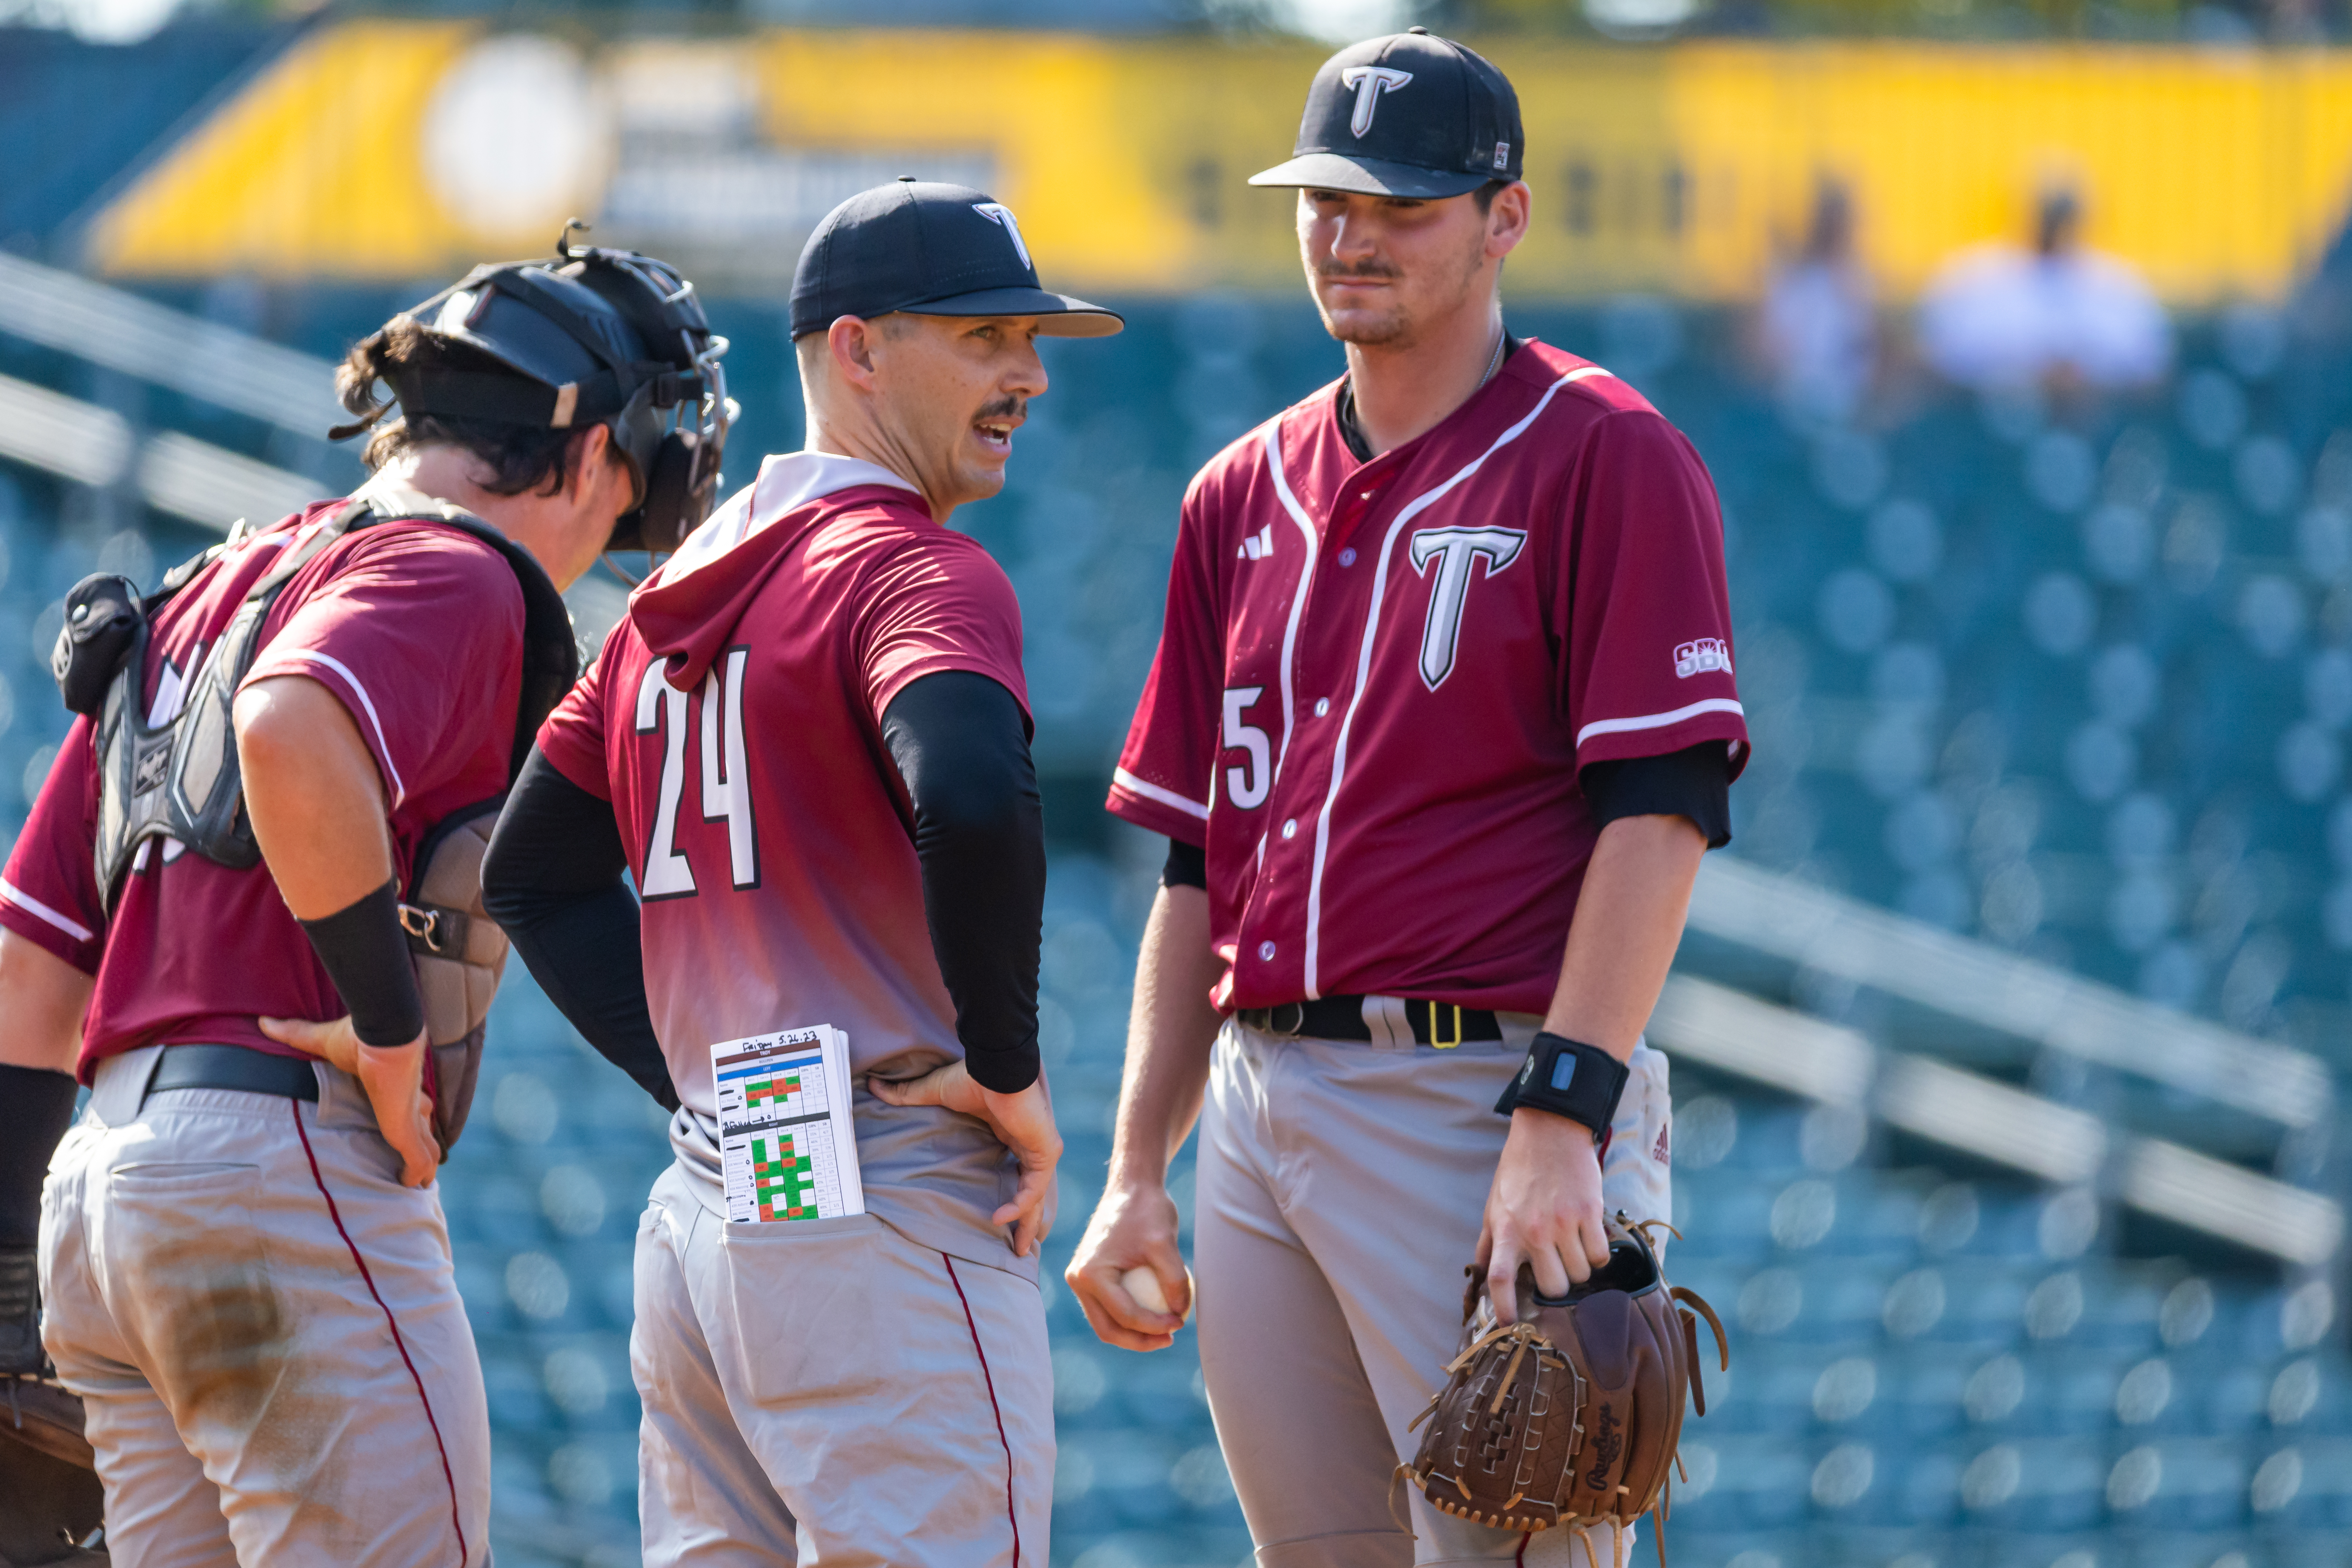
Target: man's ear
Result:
[590, 450]
[1508, 219]
[852, 341]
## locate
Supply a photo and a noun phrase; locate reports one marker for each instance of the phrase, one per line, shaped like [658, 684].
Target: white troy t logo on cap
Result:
[1370, 82]
[997, 211]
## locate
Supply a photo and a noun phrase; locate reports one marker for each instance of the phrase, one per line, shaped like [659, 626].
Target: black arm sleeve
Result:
[1187, 866]
[962, 750]
[1694, 781]
[553, 880]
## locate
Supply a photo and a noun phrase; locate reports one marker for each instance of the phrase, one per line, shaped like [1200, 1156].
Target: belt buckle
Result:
[1434, 1009]
[1298, 1011]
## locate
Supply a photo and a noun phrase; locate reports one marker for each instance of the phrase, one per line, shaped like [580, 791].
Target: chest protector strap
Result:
[179, 779]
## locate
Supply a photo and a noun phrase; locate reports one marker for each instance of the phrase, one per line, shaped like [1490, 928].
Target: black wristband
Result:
[366, 955]
[36, 1106]
[1571, 1079]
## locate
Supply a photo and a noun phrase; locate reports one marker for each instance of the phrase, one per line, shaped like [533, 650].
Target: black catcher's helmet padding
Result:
[593, 336]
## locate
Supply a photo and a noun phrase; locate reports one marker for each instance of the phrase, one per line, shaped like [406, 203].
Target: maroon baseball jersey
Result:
[1377, 682]
[417, 629]
[734, 721]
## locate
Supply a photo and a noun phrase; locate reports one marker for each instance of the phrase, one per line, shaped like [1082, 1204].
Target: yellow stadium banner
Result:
[396, 150]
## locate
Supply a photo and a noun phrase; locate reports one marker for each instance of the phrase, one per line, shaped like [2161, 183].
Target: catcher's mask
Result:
[595, 336]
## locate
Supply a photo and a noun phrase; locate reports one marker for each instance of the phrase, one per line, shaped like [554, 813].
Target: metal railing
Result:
[1732, 1032]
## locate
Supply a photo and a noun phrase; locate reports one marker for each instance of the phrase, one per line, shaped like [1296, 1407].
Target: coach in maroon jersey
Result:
[809, 744]
[1441, 723]
[246, 1269]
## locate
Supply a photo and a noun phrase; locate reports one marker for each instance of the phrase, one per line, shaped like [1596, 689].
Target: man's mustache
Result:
[1360, 269]
[1003, 408]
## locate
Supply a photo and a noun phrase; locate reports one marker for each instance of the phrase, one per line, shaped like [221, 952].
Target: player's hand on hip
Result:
[1133, 1227]
[1023, 1122]
[394, 1077]
[1544, 1210]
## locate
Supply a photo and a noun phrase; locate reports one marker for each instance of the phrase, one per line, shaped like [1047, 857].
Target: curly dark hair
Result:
[519, 457]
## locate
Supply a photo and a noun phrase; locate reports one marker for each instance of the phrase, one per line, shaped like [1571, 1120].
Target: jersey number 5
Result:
[1247, 788]
[725, 789]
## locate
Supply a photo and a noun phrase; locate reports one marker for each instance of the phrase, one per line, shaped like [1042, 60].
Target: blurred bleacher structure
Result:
[2005, 1038]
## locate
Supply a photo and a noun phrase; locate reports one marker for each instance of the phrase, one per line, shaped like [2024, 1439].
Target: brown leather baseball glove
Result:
[1571, 1415]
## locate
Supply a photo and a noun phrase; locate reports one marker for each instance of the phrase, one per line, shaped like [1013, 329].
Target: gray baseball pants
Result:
[265, 1332]
[828, 1393]
[1340, 1191]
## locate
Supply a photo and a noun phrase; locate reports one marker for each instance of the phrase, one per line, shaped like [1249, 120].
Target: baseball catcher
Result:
[245, 914]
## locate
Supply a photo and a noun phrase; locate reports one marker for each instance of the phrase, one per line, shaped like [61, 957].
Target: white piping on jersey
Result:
[33, 906]
[785, 481]
[399, 790]
[1306, 578]
[1658, 720]
[1149, 791]
[1413, 508]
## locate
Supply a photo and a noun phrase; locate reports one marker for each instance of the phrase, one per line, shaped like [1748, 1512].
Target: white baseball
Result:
[1144, 1286]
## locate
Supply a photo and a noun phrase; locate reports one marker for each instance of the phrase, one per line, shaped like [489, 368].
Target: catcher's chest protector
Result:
[1572, 1414]
[179, 778]
[459, 954]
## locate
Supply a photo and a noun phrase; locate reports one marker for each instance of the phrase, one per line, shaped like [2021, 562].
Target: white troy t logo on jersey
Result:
[1370, 82]
[997, 213]
[1452, 549]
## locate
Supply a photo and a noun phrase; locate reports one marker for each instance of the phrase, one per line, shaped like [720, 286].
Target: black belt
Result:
[235, 1067]
[1342, 1018]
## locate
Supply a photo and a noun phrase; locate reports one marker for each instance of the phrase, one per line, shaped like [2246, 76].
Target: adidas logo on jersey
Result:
[1259, 546]
[1698, 657]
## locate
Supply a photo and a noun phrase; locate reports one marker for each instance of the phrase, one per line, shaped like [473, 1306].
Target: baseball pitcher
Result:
[1442, 720]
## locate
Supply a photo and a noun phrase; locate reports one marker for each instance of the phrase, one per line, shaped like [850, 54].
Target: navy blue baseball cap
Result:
[930, 249]
[1406, 115]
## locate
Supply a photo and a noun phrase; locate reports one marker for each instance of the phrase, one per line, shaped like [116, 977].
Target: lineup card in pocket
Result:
[784, 1133]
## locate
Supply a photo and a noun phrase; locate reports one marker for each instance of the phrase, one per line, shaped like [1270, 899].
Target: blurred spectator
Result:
[1998, 316]
[1817, 336]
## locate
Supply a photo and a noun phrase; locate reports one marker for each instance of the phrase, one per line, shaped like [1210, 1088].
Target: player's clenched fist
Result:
[1023, 1122]
[1133, 1227]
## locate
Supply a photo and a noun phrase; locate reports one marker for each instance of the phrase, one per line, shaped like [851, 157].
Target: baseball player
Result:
[211, 919]
[1441, 723]
[808, 744]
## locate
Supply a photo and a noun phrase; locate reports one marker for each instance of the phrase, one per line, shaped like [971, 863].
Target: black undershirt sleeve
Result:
[1694, 781]
[961, 745]
[553, 880]
[1187, 866]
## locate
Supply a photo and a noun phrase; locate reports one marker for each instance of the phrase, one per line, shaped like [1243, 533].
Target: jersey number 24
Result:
[726, 792]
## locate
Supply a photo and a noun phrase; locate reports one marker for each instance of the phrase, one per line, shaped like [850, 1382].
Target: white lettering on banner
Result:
[997, 213]
[661, 706]
[1370, 82]
[1247, 789]
[1453, 549]
[1698, 657]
